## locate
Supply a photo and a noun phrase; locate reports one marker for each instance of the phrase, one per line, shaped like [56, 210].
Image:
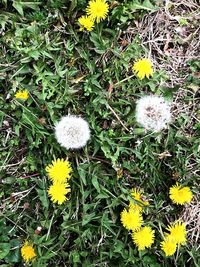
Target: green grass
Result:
[88, 74]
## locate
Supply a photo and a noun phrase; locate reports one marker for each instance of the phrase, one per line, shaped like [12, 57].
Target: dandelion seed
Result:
[22, 94]
[97, 10]
[72, 132]
[142, 68]
[86, 22]
[59, 171]
[178, 232]
[153, 113]
[58, 192]
[132, 219]
[180, 195]
[144, 237]
[28, 252]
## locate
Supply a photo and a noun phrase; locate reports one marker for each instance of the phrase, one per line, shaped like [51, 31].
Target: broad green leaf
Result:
[4, 250]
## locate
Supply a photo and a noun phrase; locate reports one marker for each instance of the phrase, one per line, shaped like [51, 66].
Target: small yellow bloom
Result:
[28, 252]
[178, 232]
[132, 219]
[143, 238]
[168, 246]
[57, 192]
[59, 171]
[86, 22]
[139, 201]
[97, 10]
[180, 195]
[22, 94]
[119, 173]
[143, 67]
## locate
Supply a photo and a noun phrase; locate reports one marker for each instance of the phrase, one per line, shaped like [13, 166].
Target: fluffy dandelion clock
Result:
[72, 132]
[153, 113]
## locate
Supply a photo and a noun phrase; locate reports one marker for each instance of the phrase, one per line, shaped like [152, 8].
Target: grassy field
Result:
[68, 70]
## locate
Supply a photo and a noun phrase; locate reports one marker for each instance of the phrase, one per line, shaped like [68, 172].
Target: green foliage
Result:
[89, 74]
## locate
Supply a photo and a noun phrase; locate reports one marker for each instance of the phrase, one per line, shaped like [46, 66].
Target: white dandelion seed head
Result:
[72, 132]
[153, 113]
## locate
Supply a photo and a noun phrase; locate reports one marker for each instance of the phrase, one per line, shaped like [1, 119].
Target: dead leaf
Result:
[163, 155]
[110, 90]
[42, 121]
[196, 74]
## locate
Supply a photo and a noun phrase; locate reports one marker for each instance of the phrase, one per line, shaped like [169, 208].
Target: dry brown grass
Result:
[191, 216]
[172, 37]
[172, 44]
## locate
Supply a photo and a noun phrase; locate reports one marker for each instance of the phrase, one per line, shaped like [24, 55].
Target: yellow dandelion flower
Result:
[97, 10]
[139, 201]
[86, 22]
[28, 252]
[180, 195]
[178, 232]
[119, 173]
[143, 67]
[59, 171]
[168, 246]
[58, 191]
[22, 94]
[132, 219]
[143, 238]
